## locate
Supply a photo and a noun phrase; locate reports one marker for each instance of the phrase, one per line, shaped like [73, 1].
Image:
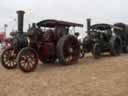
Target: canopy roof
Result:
[101, 26]
[53, 23]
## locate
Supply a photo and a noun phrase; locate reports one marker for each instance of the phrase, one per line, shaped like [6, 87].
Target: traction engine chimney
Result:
[88, 24]
[20, 15]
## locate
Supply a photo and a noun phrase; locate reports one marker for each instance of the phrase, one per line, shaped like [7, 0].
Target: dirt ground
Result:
[107, 76]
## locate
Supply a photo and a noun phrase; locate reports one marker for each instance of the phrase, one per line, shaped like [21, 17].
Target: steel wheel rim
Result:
[28, 60]
[117, 47]
[82, 52]
[9, 58]
[71, 51]
[97, 50]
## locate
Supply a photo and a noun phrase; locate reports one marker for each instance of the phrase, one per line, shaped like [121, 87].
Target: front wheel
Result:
[96, 50]
[27, 59]
[82, 51]
[115, 46]
[8, 58]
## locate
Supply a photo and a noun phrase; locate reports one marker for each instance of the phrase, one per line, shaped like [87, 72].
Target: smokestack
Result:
[29, 26]
[20, 15]
[88, 24]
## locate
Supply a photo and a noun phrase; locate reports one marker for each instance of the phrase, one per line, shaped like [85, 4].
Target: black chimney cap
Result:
[20, 12]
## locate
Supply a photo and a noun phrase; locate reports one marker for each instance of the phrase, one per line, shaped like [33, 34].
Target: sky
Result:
[100, 11]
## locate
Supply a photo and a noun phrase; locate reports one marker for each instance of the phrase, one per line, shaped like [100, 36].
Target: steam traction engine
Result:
[47, 41]
[123, 34]
[100, 39]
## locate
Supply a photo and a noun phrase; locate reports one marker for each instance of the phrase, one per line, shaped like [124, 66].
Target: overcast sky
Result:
[108, 11]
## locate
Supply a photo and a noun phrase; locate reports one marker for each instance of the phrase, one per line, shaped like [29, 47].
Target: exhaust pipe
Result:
[88, 24]
[20, 15]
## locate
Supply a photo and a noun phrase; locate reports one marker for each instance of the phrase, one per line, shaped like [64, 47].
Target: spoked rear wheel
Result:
[8, 58]
[27, 59]
[68, 50]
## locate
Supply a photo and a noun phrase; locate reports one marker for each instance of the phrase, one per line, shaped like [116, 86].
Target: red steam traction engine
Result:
[47, 40]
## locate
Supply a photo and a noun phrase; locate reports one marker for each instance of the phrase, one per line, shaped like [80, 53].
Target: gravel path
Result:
[107, 76]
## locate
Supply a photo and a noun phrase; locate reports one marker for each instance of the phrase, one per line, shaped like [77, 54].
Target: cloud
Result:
[108, 11]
